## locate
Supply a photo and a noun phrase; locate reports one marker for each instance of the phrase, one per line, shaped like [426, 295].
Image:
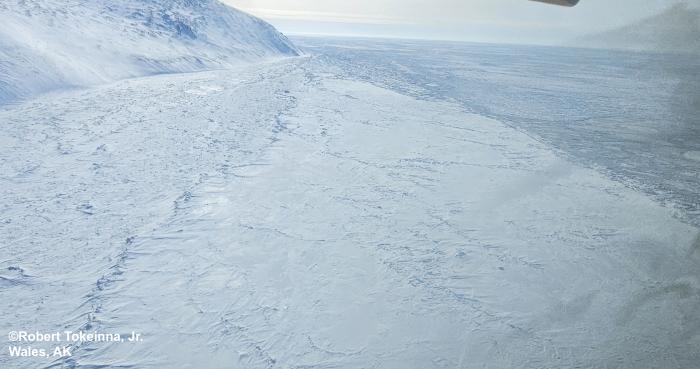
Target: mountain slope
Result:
[45, 44]
[675, 30]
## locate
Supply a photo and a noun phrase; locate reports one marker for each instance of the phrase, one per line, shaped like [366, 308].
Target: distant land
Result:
[675, 30]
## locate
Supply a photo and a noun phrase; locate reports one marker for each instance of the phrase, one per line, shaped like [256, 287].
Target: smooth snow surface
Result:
[49, 44]
[285, 216]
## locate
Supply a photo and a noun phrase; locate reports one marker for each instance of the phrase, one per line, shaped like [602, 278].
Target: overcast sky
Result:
[519, 21]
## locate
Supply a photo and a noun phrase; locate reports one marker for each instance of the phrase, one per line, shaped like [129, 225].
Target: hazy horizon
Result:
[501, 21]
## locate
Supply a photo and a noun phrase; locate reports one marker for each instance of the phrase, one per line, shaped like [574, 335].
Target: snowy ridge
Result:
[46, 44]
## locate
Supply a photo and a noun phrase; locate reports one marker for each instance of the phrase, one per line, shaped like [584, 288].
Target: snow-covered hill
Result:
[45, 44]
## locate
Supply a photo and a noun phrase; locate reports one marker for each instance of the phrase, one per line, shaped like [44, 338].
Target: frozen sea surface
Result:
[635, 116]
[331, 212]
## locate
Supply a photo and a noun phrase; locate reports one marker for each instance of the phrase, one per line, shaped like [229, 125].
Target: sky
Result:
[512, 21]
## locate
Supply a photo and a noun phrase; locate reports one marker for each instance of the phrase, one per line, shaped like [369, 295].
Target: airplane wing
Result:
[560, 2]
